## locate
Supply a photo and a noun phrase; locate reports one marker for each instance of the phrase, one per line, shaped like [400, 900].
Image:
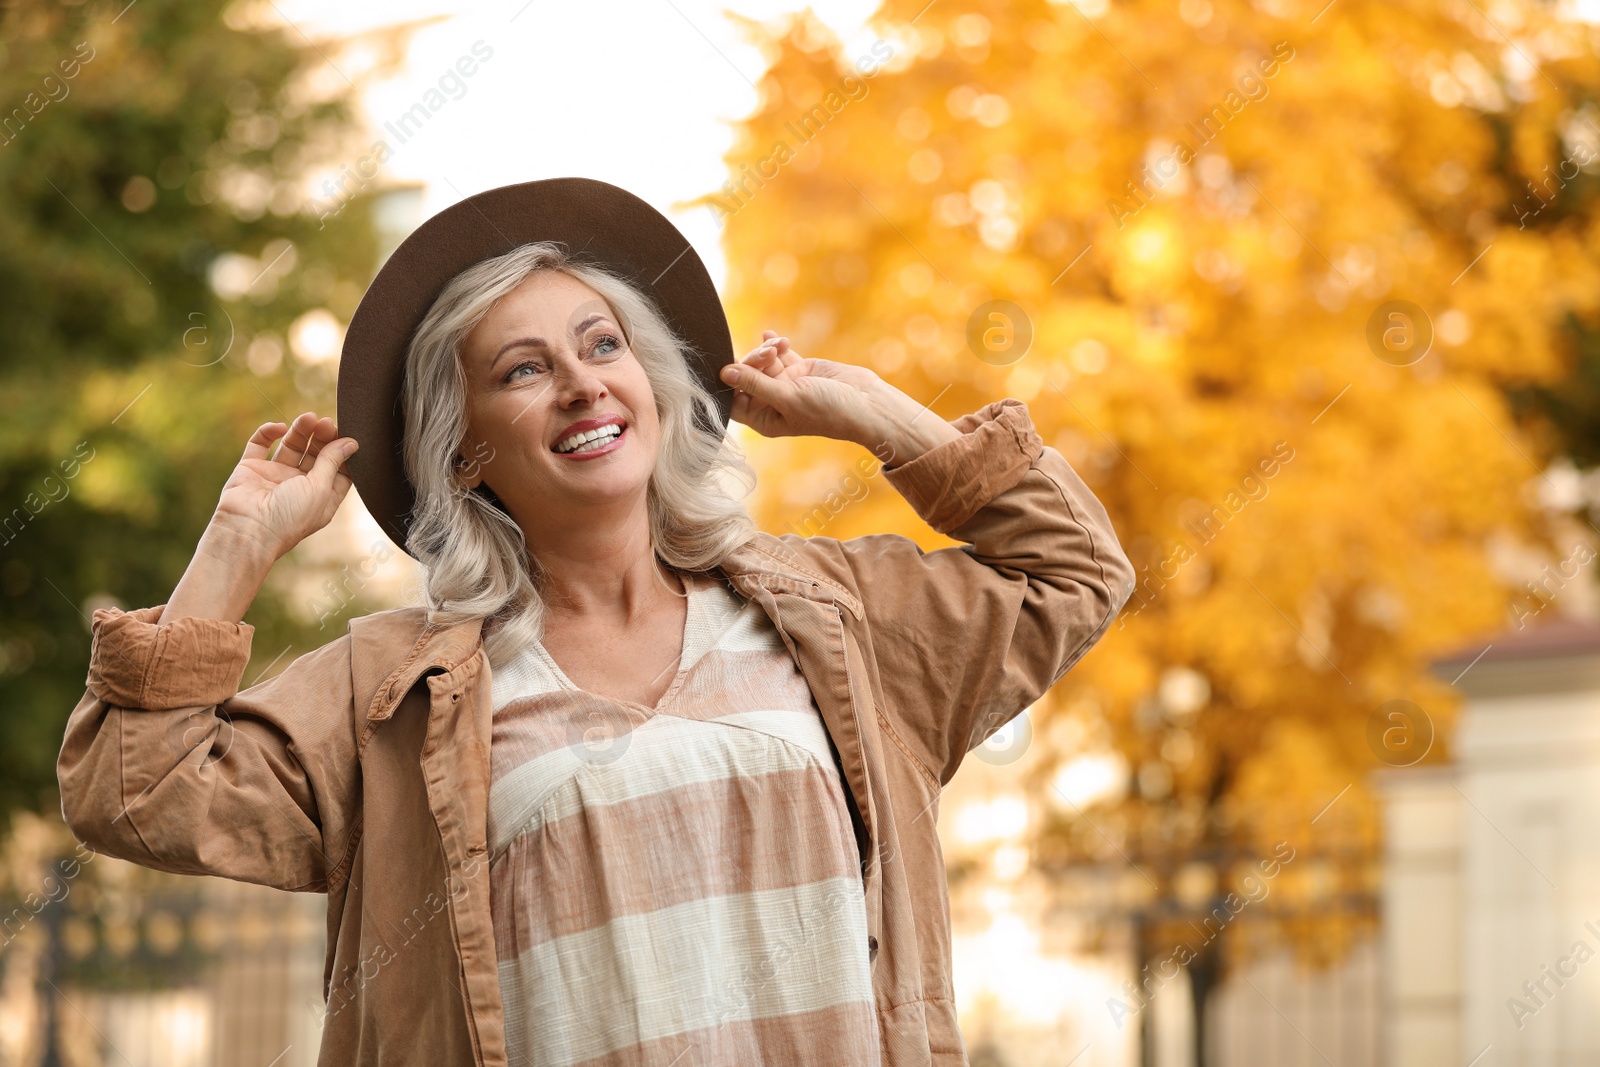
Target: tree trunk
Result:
[1204, 973]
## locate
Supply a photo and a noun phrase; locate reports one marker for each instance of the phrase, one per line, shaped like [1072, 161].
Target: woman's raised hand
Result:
[280, 500]
[782, 395]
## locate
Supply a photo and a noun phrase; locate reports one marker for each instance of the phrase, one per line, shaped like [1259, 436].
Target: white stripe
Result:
[801, 728]
[526, 675]
[737, 625]
[665, 752]
[694, 965]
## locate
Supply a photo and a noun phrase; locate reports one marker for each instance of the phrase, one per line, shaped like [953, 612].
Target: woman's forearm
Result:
[223, 578]
[900, 429]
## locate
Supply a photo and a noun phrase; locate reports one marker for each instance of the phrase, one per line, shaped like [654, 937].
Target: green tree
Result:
[157, 243]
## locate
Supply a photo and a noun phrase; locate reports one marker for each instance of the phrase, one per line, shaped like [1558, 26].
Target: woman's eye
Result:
[606, 345]
[512, 375]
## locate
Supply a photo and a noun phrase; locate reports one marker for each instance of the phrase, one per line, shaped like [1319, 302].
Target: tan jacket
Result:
[362, 770]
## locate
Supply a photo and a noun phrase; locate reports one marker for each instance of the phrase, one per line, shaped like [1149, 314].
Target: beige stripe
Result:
[845, 1035]
[710, 839]
[700, 964]
[531, 728]
[740, 681]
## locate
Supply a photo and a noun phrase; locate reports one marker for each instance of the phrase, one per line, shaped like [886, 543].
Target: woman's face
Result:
[548, 359]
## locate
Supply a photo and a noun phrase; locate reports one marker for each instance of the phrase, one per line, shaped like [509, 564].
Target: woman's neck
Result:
[607, 573]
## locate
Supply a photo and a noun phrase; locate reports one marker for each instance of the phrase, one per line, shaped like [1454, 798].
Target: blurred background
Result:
[1308, 291]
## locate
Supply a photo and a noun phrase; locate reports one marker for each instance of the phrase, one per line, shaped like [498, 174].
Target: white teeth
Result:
[580, 442]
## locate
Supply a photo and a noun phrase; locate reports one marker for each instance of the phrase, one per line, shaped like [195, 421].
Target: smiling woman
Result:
[665, 772]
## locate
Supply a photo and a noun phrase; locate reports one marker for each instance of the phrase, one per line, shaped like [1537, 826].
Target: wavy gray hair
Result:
[476, 562]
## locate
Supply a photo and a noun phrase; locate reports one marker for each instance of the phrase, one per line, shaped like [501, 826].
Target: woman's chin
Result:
[591, 485]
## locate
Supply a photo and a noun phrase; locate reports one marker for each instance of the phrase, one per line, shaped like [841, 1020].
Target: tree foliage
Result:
[1201, 215]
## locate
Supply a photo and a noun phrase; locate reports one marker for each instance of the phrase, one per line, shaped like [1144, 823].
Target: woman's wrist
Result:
[898, 429]
[227, 571]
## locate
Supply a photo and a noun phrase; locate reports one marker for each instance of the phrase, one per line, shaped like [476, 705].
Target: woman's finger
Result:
[779, 344]
[770, 364]
[329, 462]
[759, 385]
[741, 407]
[326, 430]
[306, 439]
[291, 453]
[260, 444]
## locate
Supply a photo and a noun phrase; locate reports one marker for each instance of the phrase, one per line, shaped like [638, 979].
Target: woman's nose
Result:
[575, 381]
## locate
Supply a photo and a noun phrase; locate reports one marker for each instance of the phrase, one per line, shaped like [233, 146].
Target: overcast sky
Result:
[639, 93]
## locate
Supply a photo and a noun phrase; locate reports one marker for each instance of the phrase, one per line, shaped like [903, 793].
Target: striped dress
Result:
[678, 885]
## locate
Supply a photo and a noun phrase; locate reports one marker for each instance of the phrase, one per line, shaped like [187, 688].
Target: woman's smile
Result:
[610, 439]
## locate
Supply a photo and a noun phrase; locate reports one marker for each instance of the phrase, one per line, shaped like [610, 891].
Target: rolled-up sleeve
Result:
[966, 637]
[947, 484]
[134, 663]
[167, 763]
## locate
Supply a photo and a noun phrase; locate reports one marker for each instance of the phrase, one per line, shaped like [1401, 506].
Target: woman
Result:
[692, 818]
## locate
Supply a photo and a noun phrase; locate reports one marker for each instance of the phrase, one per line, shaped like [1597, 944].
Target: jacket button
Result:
[872, 948]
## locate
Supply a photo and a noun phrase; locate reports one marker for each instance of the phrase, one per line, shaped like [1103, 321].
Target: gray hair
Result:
[475, 558]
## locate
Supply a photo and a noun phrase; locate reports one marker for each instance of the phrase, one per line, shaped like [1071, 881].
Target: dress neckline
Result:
[687, 656]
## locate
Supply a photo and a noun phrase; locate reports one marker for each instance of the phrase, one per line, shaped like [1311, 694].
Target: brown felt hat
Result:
[599, 223]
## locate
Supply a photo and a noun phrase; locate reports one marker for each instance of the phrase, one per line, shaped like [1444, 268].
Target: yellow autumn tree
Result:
[1262, 273]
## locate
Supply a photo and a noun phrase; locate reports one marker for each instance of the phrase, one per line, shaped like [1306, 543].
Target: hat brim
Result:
[599, 222]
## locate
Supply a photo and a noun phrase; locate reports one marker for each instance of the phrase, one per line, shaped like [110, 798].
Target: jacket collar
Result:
[765, 560]
[442, 647]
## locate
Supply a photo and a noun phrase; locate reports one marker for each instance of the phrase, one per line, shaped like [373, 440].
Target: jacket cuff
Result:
[950, 482]
[186, 663]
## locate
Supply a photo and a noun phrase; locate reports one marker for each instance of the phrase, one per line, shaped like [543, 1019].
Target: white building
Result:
[1492, 868]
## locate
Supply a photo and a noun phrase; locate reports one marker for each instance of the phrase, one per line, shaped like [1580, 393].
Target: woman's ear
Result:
[470, 461]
